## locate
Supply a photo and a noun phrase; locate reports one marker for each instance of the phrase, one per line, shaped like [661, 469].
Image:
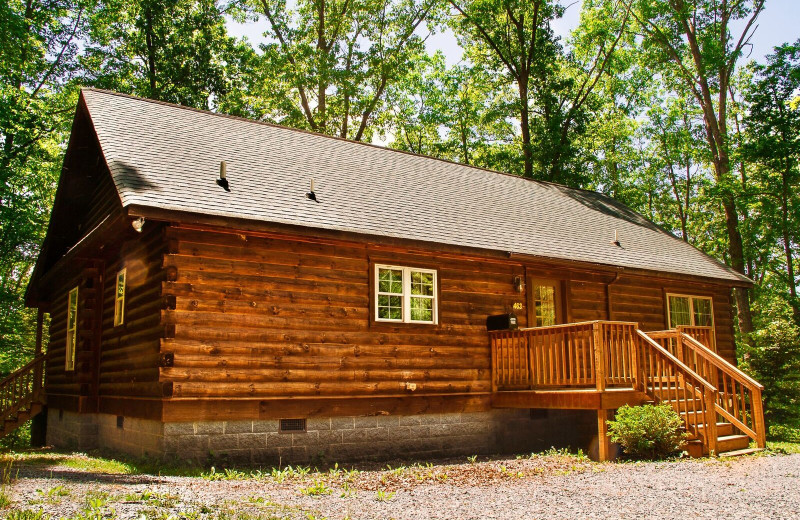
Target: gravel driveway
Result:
[552, 487]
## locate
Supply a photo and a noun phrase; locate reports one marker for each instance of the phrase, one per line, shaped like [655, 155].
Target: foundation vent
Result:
[292, 425]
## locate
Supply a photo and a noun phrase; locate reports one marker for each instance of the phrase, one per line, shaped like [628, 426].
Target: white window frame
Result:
[692, 298]
[406, 296]
[119, 301]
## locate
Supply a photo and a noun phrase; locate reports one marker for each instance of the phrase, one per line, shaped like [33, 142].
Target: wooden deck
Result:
[603, 365]
[569, 399]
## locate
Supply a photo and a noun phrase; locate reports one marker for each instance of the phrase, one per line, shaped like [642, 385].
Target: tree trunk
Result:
[524, 122]
[151, 57]
[787, 249]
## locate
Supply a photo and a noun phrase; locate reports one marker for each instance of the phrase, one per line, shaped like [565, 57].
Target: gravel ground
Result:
[549, 486]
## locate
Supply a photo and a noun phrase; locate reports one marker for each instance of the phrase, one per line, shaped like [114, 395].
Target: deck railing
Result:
[564, 356]
[603, 354]
[666, 379]
[739, 398]
[704, 335]
[21, 388]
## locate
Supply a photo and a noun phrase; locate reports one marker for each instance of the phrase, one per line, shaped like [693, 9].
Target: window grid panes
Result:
[544, 304]
[390, 294]
[405, 294]
[119, 299]
[690, 310]
[72, 329]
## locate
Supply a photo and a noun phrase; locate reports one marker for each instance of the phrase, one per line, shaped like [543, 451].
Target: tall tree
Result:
[171, 50]
[773, 144]
[515, 38]
[39, 46]
[695, 43]
[450, 113]
[329, 62]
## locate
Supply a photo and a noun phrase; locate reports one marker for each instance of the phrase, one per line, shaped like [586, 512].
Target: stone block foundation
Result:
[327, 440]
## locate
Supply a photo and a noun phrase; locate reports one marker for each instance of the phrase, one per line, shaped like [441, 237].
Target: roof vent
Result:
[222, 181]
[311, 195]
[616, 239]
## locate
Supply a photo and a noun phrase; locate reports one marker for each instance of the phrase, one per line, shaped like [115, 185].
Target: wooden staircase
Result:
[604, 364]
[22, 395]
[720, 405]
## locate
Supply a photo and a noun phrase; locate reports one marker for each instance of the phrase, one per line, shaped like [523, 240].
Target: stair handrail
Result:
[20, 387]
[708, 396]
[728, 405]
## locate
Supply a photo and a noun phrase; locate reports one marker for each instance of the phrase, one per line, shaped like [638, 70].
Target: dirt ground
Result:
[553, 485]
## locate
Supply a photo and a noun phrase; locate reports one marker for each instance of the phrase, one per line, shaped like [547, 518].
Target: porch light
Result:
[519, 284]
[138, 224]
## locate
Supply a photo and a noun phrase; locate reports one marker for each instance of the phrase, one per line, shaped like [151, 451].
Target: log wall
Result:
[252, 323]
[266, 316]
[130, 353]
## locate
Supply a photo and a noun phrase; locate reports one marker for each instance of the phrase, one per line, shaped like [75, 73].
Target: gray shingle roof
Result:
[167, 157]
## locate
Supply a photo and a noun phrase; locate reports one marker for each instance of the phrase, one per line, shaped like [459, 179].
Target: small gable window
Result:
[695, 311]
[119, 299]
[72, 329]
[405, 294]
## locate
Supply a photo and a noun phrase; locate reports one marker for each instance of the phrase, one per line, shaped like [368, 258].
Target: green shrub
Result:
[647, 432]
[781, 432]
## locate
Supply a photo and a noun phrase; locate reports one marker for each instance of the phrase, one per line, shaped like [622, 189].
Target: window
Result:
[690, 310]
[405, 294]
[72, 329]
[544, 302]
[119, 298]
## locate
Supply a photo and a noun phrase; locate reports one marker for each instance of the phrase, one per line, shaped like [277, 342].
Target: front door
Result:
[545, 302]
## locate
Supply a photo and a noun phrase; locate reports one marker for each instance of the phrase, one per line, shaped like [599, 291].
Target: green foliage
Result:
[780, 432]
[18, 439]
[647, 432]
[328, 65]
[773, 359]
[384, 496]
[318, 488]
[38, 61]
[171, 50]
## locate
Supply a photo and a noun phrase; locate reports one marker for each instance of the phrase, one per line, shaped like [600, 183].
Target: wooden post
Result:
[493, 343]
[636, 369]
[599, 357]
[603, 443]
[711, 418]
[759, 425]
[37, 372]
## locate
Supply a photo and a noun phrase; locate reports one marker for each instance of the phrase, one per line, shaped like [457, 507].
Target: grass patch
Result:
[98, 465]
[783, 447]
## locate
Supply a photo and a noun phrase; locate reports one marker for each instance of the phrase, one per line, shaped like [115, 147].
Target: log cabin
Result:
[221, 288]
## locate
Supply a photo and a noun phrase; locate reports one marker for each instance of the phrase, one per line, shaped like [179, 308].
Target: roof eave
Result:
[238, 223]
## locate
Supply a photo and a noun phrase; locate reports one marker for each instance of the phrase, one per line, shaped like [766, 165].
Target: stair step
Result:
[732, 442]
[724, 429]
[739, 453]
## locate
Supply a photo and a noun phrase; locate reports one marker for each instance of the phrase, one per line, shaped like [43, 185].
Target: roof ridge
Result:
[338, 138]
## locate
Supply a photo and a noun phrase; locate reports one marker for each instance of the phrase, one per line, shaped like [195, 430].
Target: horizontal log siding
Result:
[267, 317]
[58, 380]
[129, 356]
[644, 301]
